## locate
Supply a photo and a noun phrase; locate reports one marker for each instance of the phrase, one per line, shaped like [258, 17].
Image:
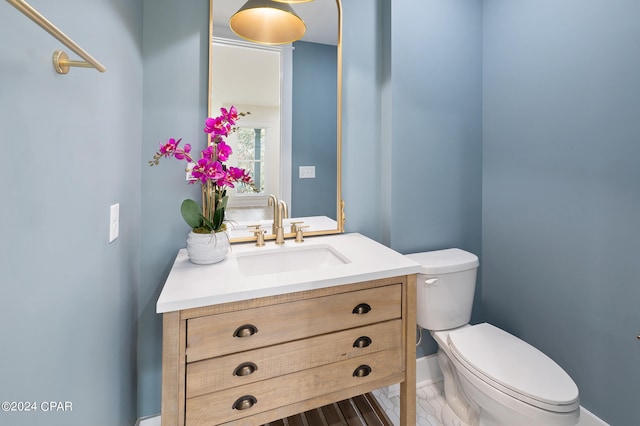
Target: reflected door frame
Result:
[286, 101]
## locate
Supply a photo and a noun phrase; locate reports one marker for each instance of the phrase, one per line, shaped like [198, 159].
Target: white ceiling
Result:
[320, 16]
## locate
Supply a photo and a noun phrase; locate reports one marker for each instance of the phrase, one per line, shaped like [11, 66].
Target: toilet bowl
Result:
[490, 376]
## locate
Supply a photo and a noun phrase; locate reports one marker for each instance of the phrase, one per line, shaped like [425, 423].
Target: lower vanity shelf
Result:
[361, 410]
[255, 361]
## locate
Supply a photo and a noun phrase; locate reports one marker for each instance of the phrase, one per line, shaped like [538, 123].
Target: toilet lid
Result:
[445, 261]
[512, 365]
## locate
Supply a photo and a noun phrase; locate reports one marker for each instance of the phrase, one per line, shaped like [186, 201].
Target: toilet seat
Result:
[513, 367]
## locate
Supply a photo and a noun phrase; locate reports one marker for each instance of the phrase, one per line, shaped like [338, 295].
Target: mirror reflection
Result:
[290, 139]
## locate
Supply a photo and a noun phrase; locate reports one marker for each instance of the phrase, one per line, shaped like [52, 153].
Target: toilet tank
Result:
[445, 288]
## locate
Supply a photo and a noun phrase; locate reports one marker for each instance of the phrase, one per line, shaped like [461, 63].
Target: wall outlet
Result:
[188, 172]
[114, 222]
[307, 172]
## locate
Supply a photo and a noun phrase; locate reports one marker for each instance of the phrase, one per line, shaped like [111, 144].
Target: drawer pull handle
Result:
[245, 330]
[245, 369]
[362, 371]
[245, 402]
[362, 309]
[362, 342]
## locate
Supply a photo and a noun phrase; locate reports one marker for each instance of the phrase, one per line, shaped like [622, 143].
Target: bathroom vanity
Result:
[278, 330]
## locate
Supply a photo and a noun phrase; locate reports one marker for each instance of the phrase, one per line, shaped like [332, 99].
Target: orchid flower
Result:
[224, 151]
[209, 170]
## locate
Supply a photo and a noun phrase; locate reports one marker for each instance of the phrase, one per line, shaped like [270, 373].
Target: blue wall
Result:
[361, 106]
[71, 148]
[175, 105]
[314, 129]
[561, 235]
[413, 123]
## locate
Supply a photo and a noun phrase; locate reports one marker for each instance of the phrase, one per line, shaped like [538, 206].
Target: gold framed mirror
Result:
[292, 138]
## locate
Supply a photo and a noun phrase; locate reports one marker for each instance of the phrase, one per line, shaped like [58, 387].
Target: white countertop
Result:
[192, 286]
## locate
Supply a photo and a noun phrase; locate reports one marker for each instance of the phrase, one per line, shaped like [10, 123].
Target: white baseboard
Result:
[427, 372]
[587, 418]
[149, 421]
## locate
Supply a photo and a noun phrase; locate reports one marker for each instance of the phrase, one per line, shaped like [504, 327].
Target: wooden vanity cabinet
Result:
[255, 361]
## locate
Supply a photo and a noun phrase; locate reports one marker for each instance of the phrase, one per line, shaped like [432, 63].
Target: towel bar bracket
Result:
[61, 62]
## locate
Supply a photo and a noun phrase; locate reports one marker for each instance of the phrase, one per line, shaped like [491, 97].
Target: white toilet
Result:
[490, 376]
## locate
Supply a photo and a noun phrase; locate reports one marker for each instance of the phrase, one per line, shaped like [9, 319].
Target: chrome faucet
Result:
[273, 201]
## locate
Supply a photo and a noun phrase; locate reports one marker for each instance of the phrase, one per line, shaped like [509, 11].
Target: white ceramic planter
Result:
[205, 249]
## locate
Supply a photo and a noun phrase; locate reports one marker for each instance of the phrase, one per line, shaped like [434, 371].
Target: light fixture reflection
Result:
[292, 1]
[267, 22]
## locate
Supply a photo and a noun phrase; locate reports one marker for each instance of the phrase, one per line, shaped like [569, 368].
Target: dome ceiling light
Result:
[267, 22]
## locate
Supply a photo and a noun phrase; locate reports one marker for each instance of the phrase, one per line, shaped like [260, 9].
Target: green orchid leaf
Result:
[218, 214]
[191, 213]
[207, 224]
[222, 203]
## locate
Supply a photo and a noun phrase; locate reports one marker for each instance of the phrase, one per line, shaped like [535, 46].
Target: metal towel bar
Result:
[61, 61]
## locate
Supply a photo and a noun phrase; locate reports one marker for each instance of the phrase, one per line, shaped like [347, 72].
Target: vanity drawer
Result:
[237, 369]
[215, 335]
[218, 407]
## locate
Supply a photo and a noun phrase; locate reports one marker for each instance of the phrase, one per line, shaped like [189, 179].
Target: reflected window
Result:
[251, 155]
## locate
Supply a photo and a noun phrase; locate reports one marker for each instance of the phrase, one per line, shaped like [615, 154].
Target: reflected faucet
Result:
[285, 210]
[273, 201]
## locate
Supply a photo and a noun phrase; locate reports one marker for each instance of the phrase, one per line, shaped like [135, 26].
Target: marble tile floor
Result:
[429, 404]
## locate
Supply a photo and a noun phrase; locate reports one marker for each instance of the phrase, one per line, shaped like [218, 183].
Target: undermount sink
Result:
[288, 259]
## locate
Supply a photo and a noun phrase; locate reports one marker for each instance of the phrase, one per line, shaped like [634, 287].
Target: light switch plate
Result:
[307, 172]
[188, 172]
[114, 222]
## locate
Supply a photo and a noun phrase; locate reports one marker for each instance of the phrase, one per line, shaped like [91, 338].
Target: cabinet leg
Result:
[407, 404]
[173, 344]
[408, 386]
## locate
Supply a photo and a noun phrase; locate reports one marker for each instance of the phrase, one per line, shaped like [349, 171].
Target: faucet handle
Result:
[294, 226]
[299, 233]
[258, 233]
